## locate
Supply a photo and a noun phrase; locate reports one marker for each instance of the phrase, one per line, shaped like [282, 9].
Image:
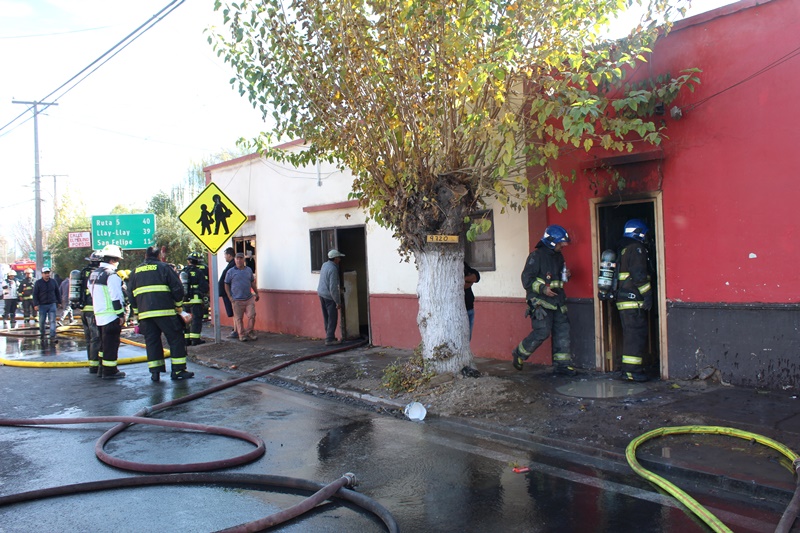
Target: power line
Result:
[51, 34]
[111, 52]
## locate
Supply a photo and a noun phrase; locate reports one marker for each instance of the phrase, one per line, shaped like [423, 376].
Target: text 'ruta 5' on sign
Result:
[212, 217]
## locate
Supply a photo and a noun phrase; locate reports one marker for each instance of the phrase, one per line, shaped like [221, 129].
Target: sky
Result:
[132, 128]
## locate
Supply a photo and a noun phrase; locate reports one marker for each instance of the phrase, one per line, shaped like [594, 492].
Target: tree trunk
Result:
[442, 318]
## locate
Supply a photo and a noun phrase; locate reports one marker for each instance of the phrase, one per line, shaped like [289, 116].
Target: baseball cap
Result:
[239, 254]
[335, 253]
[45, 269]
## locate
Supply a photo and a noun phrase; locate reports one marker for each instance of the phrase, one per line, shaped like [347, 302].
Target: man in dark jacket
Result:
[156, 294]
[543, 277]
[46, 296]
[221, 289]
[634, 299]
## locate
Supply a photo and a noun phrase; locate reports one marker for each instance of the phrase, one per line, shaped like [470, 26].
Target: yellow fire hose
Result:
[67, 331]
[693, 505]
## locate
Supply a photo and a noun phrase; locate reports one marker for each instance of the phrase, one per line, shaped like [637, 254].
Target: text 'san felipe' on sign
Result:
[129, 232]
[212, 217]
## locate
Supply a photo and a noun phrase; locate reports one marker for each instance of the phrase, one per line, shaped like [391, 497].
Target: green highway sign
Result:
[131, 232]
[47, 259]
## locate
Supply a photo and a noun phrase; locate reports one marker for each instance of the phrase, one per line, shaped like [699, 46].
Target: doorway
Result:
[608, 221]
[353, 271]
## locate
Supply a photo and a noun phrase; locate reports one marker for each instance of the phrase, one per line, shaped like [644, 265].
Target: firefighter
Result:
[84, 303]
[11, 297]
[156, 294]
[26, 297]
[543, 277]
[634, 299]
[108, 303]
[197, 294]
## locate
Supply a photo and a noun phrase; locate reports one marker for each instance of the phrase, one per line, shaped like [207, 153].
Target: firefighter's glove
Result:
[647, 303]
[539, 313]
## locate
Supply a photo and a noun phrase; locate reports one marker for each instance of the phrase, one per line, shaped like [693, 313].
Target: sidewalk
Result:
[590, 414]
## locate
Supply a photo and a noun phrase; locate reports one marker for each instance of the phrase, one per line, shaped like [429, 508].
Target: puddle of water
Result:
[600, 389]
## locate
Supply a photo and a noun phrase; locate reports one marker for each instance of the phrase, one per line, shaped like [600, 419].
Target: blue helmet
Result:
[635, 229]
[553, 235]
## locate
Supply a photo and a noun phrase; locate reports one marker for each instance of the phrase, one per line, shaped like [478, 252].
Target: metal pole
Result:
[37, 194]
[37, 179]
[212, 282]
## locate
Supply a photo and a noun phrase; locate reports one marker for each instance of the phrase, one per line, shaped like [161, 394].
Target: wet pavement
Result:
[432, 476]
[720, 465]
[725, 474]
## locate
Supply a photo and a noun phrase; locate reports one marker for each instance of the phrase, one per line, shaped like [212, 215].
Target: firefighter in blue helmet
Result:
[634, 299]
[543, 278]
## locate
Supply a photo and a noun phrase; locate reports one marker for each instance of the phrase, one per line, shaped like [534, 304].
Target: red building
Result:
[720, 196]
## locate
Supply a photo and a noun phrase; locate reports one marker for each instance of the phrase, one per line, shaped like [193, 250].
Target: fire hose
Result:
[789, 515]
[186, 473]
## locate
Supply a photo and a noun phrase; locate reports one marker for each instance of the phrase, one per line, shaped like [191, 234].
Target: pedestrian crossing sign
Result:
[212, 217]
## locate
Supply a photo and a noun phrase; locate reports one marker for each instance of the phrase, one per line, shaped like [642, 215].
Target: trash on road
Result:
[415, 411]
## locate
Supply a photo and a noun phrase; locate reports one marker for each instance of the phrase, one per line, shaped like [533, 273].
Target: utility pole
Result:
[37, 194]
[55, 193]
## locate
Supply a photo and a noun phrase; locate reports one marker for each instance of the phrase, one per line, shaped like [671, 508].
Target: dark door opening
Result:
[355, 312]
[247, 246]
[610, 225]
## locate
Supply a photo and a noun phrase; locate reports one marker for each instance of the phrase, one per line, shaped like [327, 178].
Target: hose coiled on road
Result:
[177, 472]
[789, 515]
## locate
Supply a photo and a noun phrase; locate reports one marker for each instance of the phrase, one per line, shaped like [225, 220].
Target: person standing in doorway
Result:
[240, 285]
[471, 276]
[543, 278]
[226, 301]
[46, 297]
[634, 299]
[330, 295]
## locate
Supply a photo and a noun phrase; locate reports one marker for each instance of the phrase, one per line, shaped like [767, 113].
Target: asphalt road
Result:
[431, 475]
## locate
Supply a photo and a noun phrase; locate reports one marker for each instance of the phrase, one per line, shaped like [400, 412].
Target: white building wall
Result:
[276, 194]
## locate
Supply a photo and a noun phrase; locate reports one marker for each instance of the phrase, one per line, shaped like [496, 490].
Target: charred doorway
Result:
[355, 313]
[608, 223]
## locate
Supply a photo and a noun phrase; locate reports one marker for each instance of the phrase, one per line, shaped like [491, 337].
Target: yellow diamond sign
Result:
[212, 217]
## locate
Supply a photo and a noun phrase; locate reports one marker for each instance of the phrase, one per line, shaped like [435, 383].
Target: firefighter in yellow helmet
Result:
[105, 286]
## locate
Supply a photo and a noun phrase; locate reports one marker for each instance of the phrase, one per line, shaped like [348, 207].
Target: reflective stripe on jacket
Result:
[155, 290]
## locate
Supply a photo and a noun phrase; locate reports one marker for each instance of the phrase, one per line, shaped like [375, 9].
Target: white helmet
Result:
[111, 250]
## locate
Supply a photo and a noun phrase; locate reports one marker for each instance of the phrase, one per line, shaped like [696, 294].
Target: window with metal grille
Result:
[479, 254]
[322, 241]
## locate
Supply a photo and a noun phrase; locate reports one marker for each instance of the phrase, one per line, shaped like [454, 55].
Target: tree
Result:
[438, 107]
